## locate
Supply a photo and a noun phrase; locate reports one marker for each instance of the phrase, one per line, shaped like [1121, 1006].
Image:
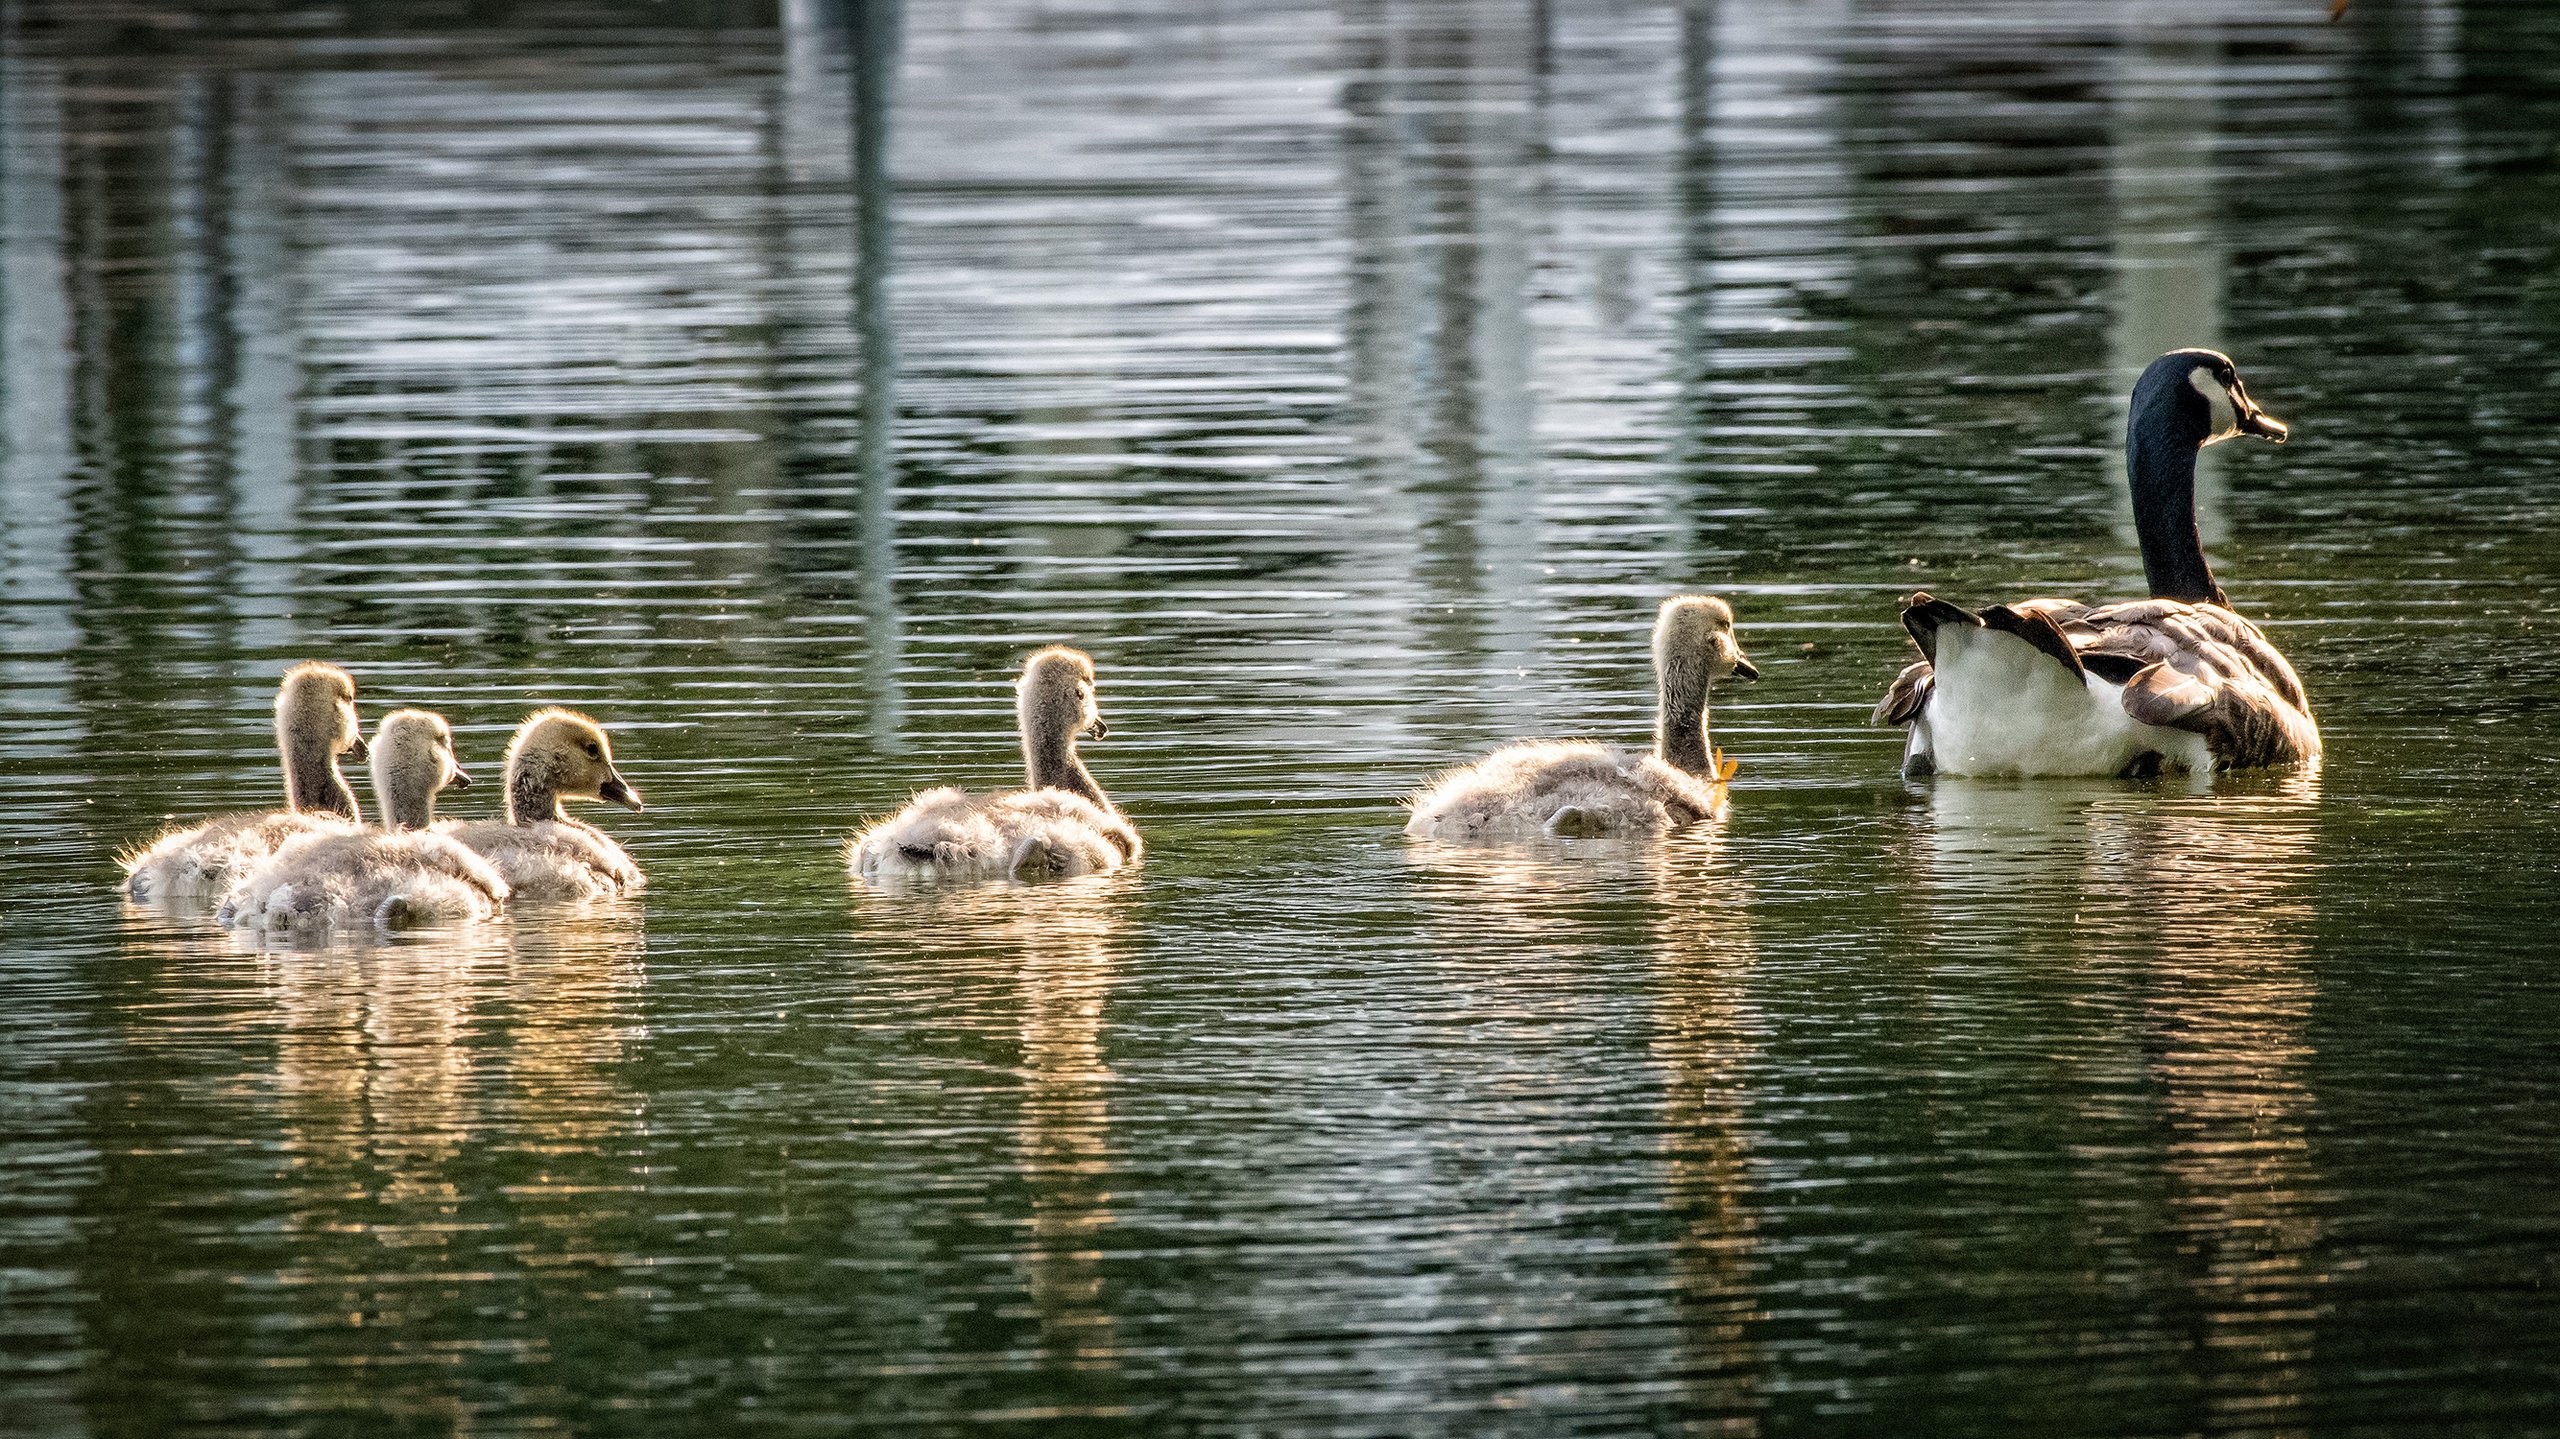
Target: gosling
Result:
[315, 724]
[1062, 824]
[544, 854]
[1579, 789]
[402, 875]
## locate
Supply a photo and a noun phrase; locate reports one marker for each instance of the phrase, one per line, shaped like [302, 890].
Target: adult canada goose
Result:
[2054, 687]
[315, 724]
[557, 754]
[1062, 824]
[400, 875]
[1576, 788]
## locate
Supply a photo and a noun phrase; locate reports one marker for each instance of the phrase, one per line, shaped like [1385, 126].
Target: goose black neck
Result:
[2160, 464]
[1052, 764]
[312, 784]
[1680, 719]
[531, 799]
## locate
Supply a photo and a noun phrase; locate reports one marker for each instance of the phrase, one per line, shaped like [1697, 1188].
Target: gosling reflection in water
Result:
[390, 1062]
[1041, 962]
[1707, 1038]
[2193, 918]
[1537, 893]
[399, 1088]
[1594, 938]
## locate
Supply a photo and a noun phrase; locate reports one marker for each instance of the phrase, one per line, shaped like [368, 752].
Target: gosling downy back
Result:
[557, 754]
[315, 724]
[1061, 824]
[400, 876]
[1580, 789]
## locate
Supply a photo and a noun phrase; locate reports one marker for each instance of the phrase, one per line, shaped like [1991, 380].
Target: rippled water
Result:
[1350, 381]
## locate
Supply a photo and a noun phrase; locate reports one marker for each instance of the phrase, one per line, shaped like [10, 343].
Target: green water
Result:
[1350, 381]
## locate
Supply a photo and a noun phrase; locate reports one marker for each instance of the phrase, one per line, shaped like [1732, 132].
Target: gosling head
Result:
[412, 761]
[1697, 630]
[560, 754]
[1054, 704]
[316, 723]
[317, 706]
[1055, 697]
[2195, 396]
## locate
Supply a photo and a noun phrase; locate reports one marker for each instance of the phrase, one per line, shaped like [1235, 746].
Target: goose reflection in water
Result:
[1040, 960]
[2192, 917]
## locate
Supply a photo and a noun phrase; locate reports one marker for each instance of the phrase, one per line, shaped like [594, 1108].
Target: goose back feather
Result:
[2157, 682]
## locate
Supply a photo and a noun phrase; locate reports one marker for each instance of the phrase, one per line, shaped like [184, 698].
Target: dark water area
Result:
[1351, 381]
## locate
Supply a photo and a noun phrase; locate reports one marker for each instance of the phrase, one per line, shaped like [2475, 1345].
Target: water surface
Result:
[1351, 381]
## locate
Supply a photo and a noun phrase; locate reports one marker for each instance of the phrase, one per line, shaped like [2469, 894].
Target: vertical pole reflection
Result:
[1693, 341]
[874, 27]
[261, 401]
[2169, 255]
[1440, 158]
[36, 553]
[1765, 181]
[839, 87]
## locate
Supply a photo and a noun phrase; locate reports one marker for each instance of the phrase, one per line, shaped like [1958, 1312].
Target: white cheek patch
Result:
[2226, 415]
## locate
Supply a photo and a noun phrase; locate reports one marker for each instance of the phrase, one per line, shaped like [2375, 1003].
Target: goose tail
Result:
[1924, 614]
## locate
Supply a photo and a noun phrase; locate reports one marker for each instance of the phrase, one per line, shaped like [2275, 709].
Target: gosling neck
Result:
[1049, 755]
[1680, 718]
[2160, 465]
[405, 804]
[312, 784]
[531, 798]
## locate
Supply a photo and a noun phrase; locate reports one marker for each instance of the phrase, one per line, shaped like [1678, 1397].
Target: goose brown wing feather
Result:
[2202, 669]
[1907, 696]
[2185, 666]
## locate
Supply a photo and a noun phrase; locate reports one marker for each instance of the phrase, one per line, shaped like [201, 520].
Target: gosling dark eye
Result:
[595, 752]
